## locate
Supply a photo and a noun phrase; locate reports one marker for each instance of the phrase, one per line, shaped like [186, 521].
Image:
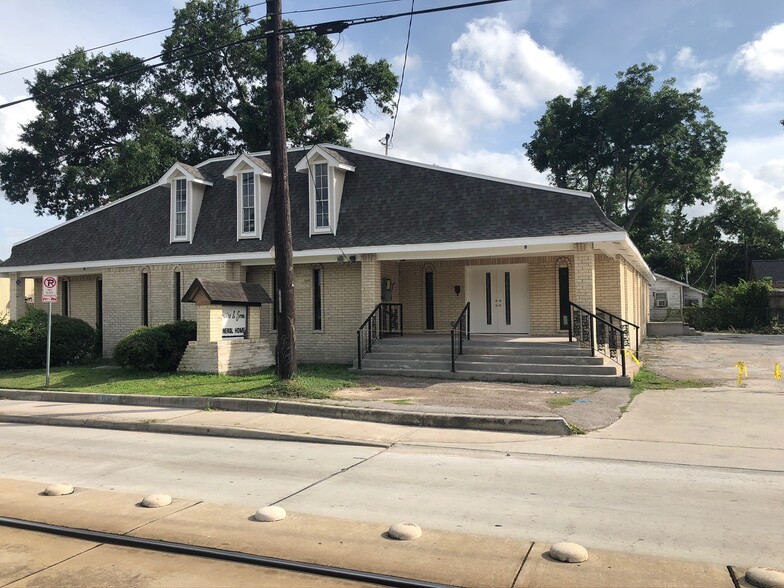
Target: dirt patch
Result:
[591, 408]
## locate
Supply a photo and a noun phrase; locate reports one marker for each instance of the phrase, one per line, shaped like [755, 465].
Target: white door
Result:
[499, 298]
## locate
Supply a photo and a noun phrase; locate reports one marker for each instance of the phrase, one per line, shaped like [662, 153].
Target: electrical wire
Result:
[402, 77]
[306, 28]
[195, 21]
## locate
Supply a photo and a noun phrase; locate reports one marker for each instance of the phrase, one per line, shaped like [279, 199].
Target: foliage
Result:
[24, 341]
[641, 151]
[744, 306]
[313, 381]
[158, 348]
[95, 143]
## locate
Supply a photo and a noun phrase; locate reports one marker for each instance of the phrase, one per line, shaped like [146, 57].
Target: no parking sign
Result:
[49, 291]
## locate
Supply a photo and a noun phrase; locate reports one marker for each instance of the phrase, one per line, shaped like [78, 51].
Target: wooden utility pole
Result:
[284, 257]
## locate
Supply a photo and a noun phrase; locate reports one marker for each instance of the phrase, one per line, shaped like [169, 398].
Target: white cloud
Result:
[497, 75]
[751, 165]
[658, 58]
[763, 58]
[413, 62]
[11, 120]
[699, 75]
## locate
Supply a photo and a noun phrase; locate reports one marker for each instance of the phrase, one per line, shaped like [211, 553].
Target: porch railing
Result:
[590, 330]
[461, 331]
[386, 320]
[625, 325]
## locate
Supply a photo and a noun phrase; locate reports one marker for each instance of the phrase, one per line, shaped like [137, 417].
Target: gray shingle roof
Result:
[194, 171]
[385, 202]
[222, 292]
[768, 268]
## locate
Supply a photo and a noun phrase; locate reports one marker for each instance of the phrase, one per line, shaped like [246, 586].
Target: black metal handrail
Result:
[602, 336]
[461, 328]
[625, 325]
[386, 320]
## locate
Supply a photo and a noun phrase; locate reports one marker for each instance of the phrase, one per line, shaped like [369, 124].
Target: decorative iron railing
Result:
[625, 325]
[600, 335]
[386, 320]
[461, 331]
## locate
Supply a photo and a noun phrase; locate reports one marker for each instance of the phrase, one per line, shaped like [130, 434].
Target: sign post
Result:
[49, 294]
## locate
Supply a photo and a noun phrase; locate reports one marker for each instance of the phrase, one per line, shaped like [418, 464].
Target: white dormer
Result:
[254, 183]
[186, 184]
[326, 169]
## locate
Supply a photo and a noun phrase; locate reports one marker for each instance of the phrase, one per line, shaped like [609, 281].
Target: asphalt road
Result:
[639, 497]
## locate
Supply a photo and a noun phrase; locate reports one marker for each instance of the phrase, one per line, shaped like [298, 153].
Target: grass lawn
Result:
[313, 381]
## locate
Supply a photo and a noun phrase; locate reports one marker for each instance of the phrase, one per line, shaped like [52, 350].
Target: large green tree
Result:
[91, 143]
[230, 85]
[642, 151]
[97, 142]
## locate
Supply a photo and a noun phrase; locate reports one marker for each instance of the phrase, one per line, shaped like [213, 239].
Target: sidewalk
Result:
[264, 425]
[444, 558]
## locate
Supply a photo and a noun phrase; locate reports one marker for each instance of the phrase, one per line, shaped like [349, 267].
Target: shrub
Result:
[24, 341]
[159, 348]
[744, 306]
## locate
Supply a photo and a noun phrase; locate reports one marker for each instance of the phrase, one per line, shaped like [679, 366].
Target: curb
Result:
[553, 425]
[178, 429]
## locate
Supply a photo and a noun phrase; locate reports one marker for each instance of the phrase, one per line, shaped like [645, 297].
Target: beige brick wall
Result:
[5, 299]
[342, 313]
[608, 284]
[122, 295]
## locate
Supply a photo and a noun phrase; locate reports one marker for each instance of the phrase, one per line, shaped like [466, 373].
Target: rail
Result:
[461, 329]
[386, 320]
[625, 325]
[602, 336]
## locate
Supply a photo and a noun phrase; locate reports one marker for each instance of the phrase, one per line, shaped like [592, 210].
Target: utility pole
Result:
[284, 258]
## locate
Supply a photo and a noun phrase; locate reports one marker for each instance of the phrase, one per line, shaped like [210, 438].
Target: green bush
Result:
[24, 341]
[743, 307]
[158, 348]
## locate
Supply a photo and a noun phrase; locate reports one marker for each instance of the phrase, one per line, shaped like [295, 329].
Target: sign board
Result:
[235, 321]
[49, 290]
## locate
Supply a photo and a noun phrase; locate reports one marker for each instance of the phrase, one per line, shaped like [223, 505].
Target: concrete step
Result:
[404, 355]
[543, 350]
[464, 365]
[523, 378]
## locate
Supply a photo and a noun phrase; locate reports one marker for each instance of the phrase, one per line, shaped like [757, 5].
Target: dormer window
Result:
[326, 169]
[254, 183]
[180, 209]
[322, 195]
[186, 188]
[248, 204]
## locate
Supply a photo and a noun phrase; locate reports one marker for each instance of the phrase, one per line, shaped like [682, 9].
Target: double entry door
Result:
[499, 298]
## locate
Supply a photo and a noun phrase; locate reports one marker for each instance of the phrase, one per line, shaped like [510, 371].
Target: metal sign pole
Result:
[48, 344]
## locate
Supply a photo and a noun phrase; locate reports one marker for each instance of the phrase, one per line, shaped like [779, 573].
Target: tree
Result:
[230, 85]
[98, 142]
[641, 151]
[737, 231]
[92, 143]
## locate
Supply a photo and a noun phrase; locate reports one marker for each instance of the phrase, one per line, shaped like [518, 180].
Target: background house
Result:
[769, 268]
[669, 296]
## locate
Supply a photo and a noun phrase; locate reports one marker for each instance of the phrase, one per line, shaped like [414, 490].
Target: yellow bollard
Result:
[777, 372]
[630, 354]
[742, 372]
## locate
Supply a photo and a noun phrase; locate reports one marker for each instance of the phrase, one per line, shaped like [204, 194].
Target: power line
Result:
[402, 77]
[318, 28]
[156, 32]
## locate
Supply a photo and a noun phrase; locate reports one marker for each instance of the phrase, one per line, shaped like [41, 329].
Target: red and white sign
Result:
[49, 292]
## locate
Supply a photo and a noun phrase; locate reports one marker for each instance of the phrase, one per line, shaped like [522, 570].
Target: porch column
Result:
[18, 308]
[371, 283]
[585, 277]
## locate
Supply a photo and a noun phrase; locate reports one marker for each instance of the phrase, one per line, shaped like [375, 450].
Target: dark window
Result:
[65, 298]
[508, 295]
[563, 297]
[430, 320]
[489, 297]
[274, 300]
[99, 304]
[316, 299]
[177, 296]
[145, 299]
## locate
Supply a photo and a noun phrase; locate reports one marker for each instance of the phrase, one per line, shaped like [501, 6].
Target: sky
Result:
[476, 79]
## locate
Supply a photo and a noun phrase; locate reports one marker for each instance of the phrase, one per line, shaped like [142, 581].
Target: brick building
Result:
[366, 228]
